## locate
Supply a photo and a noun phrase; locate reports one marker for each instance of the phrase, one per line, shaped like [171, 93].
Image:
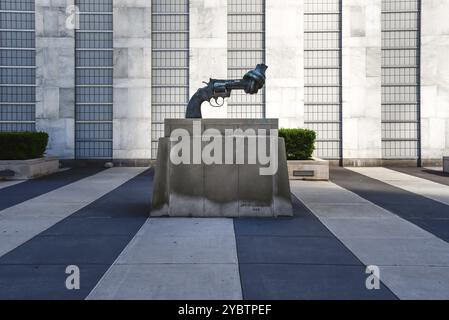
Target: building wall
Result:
[208, 48]
[434, 79]
[55, 62]
[134, 107]
[132, 80]
[361, 82]
[285, 59]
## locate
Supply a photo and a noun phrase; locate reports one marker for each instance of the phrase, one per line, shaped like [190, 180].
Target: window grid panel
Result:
[17, 5]
[400, 79]
[246, 49]
[322, 75]
[17, 66]
[94, 80]
[170, 64]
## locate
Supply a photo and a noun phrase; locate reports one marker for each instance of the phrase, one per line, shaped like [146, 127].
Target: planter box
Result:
[446, 164]
[313, 170]
[28, 169]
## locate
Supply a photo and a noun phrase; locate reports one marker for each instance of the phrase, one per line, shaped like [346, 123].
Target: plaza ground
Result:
[97, 219]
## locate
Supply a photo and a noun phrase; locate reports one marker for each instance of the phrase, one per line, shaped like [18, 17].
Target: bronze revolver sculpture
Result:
[251, 83]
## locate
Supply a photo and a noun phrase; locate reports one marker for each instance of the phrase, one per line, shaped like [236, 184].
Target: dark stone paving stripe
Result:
[423, 173]
[430, 215]
[298, 258]
[11, 196]
[91, 239]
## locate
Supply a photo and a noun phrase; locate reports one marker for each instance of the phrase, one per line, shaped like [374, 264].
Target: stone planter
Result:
[313, 170]
[28, 169]
[446, 164]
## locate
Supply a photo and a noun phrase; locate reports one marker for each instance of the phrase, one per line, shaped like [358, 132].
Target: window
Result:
[17, 66]
[93, 78]
[246, 49]
[170, 64]
[400, 79]
[322, 75]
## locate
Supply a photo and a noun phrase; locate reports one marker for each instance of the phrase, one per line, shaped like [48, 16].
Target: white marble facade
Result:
[435, 79]
[55, 76]
[208, 58]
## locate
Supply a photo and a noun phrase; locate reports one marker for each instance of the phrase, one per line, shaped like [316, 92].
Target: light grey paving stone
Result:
[365, 211]
[170, 282]
[34, 216]
[417, 283]
[187, 227]
[13, 226]
[423, 187]
[183, 241]
[377, 228]
[195, 249]
[322, 193]
[399, 252]
[34, 210]
[176, 258]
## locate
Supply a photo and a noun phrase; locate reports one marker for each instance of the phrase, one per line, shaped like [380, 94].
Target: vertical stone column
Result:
[55, 77]
[132, 80]
[208, 47]
[434, 80]
[284, 49]
[362, 63]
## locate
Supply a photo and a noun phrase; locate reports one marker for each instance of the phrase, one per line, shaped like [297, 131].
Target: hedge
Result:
[22, 145]
[299, 143]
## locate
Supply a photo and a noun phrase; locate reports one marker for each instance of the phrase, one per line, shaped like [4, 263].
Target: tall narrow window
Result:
[322, 75]
[17, 65]
[246, 49]
[170, 64]
[93, 78]
[400, 79]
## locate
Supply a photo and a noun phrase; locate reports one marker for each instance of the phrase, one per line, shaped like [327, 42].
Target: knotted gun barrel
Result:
[251, 83]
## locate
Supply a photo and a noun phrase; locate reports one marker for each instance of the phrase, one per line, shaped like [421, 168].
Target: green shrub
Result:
[22, 145]
[299, 143]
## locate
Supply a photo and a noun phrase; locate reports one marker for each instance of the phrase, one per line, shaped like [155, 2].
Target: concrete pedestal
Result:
[219, 190]
[30, 169]
[310, 170]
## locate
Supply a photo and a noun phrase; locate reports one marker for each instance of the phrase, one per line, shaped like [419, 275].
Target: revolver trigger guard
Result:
[216, 105]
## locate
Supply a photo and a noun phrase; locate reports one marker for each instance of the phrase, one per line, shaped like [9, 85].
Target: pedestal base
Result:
[219, 190]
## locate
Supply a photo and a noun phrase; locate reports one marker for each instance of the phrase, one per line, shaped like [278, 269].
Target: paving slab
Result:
[401, 244]
[288, 227]
[356, 211]
[294, 250]
[424, 187]
[169, 282]
[426, 213]
[377, 228]
[68, 250]
[176, 258]
[417, 283]
[58, 204]
[308, 282]
[89, 240]
[304, 260]
[32, 282]
[30, 189]
[399, 252]
[96, 226]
